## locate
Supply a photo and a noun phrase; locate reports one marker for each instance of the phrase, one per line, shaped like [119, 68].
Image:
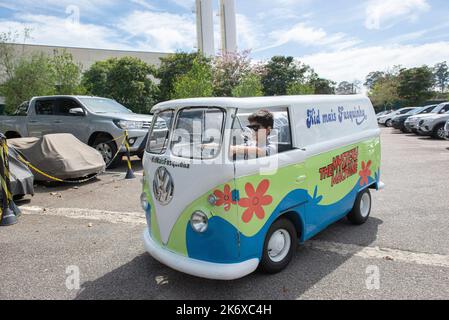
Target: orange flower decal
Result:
[365, 173]
[224, 198]
[256, 201]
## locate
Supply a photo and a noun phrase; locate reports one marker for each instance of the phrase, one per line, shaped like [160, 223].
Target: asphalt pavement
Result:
[93, 232]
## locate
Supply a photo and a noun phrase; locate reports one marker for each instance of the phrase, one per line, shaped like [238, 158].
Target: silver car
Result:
[98, 122]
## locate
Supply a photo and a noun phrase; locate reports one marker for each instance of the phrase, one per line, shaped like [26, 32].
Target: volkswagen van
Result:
[214, 214]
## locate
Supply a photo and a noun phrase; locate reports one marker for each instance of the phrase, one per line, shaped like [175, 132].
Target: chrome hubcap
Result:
[279, 245]
[441, 133]
[106, 152]
[365, 205]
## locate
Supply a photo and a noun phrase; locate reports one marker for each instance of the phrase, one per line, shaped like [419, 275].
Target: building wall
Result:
[88, 56]
[85, 56]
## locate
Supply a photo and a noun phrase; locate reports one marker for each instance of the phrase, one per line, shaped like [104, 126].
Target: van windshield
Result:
[158, 137]
[198, 133]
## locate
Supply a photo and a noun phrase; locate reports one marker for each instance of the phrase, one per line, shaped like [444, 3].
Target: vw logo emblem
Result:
[163, 187]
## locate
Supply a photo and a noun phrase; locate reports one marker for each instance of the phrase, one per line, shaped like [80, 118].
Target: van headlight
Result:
[144, 201]
[199, 221]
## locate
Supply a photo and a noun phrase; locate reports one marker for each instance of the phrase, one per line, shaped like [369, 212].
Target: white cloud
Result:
[358, 62]
[51, 30]
[160, 31]
[380, 12]
[309, 36]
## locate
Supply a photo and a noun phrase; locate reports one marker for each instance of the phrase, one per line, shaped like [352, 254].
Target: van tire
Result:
[283, 229]
[362, 208]
[106, 141]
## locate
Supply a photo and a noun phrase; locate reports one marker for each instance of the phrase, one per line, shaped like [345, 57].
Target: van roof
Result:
[262, 102]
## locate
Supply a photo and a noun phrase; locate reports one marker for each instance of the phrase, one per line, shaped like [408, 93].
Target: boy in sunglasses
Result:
[259, 144]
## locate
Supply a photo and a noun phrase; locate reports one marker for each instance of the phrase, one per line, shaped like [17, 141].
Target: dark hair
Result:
[263, 117]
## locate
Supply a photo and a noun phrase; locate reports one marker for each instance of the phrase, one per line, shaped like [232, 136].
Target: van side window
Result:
[198, 133]
[280, 135]
[45, 107]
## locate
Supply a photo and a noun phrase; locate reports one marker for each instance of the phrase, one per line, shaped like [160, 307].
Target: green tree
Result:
[249, 86]
[415, 85]
[95, 80]
[196, 83]
[345, 88]
[128, 80]
[67, 74]
[32, 76]
[322, 86]
[172, 67]
[441, 73]
[298, 88]
[373, 77]
[384, 93]
[228, 70]
[280, 72]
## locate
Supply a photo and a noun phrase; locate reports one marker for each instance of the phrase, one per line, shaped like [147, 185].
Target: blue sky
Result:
[341, 40]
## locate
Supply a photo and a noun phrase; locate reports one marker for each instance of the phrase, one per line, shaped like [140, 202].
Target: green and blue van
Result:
[216, 215]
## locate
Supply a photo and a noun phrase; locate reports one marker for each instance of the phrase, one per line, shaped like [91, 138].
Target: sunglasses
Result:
[255, 127]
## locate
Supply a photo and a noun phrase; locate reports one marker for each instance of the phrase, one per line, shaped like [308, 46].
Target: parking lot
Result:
[97, 228]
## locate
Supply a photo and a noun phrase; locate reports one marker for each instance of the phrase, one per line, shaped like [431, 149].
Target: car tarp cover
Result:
[60, 155]
[21, 177]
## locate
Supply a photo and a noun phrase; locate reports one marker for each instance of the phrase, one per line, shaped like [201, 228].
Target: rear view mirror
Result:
[77, 112]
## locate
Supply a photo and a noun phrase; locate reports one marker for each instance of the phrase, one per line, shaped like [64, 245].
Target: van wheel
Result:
[362, 208]
[108, 149]
[279, 247]
[438, 132]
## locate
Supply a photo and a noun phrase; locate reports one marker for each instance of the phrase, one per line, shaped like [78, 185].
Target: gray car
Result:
[98, 122]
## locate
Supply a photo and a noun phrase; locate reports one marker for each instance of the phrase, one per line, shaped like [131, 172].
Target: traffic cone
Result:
[130, 173]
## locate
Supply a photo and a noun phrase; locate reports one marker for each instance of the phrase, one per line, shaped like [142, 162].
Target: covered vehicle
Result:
[22, 179]
[61, 156]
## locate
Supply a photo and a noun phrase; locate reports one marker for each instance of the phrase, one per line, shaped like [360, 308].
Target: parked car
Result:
[412, 123]
[434, 125]
[383, 113]
[387, 120]
[399, 121]
[96, 121]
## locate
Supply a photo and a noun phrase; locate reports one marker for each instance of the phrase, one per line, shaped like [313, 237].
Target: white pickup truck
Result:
[93, 120]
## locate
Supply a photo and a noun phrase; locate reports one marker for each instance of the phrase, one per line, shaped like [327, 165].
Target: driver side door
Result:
[65, 122]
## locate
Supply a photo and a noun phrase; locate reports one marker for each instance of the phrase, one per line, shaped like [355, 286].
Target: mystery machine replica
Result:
[216, 214]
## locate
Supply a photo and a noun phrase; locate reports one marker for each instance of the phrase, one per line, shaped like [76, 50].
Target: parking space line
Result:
[89, 214]
[138, 218]
[429, 259]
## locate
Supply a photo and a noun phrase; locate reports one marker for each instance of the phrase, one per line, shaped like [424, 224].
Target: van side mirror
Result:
[77, 112]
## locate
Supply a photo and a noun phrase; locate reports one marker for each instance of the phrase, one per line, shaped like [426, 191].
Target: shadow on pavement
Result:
[145, 278]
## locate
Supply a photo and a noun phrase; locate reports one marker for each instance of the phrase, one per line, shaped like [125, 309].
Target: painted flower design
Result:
[224, 198]
[365, 173]
[256, 200]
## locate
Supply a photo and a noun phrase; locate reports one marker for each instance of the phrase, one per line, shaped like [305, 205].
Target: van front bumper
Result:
[197, 268]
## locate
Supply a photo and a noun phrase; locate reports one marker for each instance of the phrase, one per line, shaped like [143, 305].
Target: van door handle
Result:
[301, 179]
[57, 121]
